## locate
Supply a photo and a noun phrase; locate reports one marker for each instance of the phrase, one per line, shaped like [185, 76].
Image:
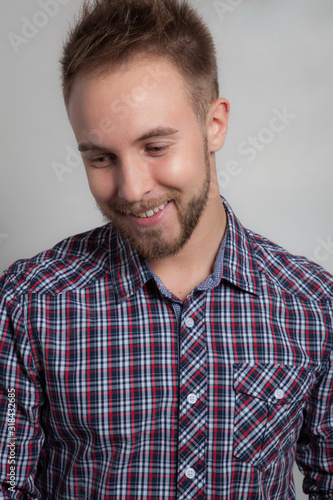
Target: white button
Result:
[279, 394]
[192, 399]
[190, 473]
[189, 322]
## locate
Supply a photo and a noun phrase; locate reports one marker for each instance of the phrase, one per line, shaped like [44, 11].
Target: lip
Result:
[153, 220]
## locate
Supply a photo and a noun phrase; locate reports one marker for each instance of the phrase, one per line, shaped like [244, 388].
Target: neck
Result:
[182, 272]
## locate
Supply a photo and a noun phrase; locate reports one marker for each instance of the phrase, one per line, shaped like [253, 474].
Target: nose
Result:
[134, 180]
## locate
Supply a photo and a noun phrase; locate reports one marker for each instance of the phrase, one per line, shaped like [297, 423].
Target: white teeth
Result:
[150, 213]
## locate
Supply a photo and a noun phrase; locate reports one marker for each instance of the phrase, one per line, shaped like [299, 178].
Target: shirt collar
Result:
[239, 261]
[234, 263]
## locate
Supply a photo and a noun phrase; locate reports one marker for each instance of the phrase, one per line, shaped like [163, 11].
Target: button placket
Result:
[193, 406]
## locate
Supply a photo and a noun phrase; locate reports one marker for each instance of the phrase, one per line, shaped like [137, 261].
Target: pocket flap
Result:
[279, 384]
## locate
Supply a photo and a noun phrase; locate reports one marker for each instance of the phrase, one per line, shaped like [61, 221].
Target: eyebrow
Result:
[158, 132]
[155, 132]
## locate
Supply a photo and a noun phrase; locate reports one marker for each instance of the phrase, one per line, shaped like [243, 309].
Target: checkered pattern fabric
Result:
[192, 403]
[112, 388]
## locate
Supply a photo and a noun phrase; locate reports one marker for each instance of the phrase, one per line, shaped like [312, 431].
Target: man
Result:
[170, 354]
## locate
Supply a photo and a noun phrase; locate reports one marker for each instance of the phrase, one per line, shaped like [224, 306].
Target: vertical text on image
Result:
[11, 440]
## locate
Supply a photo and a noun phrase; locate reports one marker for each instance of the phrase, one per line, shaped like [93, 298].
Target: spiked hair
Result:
[111, 33]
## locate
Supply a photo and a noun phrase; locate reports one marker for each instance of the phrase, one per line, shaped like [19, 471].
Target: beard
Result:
[151, 244]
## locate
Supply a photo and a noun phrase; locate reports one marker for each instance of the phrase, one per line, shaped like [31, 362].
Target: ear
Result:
[217, 124]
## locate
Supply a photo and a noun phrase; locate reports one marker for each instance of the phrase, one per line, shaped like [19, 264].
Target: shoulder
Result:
[292, 273]
[72, 263]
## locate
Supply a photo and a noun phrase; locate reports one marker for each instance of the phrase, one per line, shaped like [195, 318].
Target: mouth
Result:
[150, 213]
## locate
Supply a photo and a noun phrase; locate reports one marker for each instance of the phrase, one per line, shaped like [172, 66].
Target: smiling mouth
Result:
[150, 213]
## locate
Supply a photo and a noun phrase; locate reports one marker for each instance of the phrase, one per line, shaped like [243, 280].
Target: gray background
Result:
[275, 56]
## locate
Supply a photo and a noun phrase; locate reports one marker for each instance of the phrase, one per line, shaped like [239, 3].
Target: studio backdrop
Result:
[276, 69]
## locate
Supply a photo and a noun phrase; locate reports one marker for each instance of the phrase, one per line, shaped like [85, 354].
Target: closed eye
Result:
[102, 161]
[157, 150]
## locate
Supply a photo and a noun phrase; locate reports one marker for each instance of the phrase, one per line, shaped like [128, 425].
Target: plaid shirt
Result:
[112, 388]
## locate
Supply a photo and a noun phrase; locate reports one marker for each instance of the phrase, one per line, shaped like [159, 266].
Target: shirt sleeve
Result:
[21, 398]
[315, 445]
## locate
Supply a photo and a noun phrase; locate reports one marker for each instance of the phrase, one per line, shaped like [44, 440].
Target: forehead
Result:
[148, 93]
[135, 81]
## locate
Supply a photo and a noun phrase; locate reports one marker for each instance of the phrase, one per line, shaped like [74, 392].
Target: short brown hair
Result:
[110, 33]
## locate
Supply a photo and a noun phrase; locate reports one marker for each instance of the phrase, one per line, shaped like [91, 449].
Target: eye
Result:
[157, 150]
[102, 160]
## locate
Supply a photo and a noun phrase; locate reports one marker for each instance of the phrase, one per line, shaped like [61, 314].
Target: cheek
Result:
[183, 169]
[101, 184]
[190, 169]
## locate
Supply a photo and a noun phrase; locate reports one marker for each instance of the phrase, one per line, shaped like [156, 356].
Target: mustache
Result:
[130, 208]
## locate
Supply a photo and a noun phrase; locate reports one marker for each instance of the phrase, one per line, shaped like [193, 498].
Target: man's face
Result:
[145, 154]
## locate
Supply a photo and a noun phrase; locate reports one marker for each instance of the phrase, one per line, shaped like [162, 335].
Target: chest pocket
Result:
[268, 410]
